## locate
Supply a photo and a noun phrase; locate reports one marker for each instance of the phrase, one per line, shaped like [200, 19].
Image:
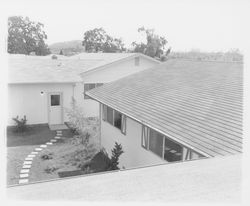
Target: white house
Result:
[41, 87]
[176, 111]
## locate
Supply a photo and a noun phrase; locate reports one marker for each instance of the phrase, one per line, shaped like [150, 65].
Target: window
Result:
[161, 145]
[55, 100]
[117, 119]
[110, 115]
[137, 61]
[156, 142]
[114, 117]
[90, 86]
[172, 151]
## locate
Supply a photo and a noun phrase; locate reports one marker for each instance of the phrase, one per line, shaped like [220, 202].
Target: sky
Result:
[205, 25]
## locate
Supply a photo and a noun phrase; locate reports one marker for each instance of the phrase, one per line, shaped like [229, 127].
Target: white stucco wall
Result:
[26, 99]
[108, 74]
[134, 155]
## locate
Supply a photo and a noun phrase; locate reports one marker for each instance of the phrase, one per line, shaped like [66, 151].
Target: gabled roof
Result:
[44, 69]
[197, 103]
[106, 59]
[34, 69]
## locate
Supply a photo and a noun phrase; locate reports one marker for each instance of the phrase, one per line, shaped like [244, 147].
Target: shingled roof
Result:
[44, 69]
[197, 103]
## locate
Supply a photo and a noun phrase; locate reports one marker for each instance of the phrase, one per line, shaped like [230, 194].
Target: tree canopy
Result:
[25, 36]
[97, 40]
[154, 46]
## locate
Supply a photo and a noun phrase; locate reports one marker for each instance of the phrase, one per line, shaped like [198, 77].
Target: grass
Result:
[35, 135]
[67, 154]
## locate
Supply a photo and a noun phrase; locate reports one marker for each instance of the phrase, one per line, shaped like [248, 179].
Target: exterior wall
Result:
[109, 74]
[26, 99]
[134, 155]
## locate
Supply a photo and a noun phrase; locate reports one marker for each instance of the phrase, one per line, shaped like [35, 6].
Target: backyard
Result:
[66, 154]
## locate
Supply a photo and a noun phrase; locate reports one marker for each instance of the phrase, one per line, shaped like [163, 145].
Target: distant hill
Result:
[68, 48]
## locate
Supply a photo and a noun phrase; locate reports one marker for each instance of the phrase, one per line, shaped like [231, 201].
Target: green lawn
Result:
[35, 135]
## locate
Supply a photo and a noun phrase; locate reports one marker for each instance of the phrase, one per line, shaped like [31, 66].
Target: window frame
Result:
[55, 102]
[145, 141]
[123, 118]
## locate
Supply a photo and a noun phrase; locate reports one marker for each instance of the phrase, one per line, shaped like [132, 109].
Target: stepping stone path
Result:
[24, 172]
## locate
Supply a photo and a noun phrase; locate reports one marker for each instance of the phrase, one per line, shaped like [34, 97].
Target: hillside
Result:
[68, 48]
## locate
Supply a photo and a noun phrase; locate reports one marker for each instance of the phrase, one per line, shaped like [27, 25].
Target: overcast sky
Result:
[207, 25]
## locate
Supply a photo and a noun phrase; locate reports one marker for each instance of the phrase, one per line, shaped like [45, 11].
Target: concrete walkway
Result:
[24, 172]
[208, 180]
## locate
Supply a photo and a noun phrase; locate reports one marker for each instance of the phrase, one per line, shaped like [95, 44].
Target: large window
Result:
[90, 86]
[172, 151]
[117, 119]
[110, 116]
[114, 117]
[156, 142]
[161, 145]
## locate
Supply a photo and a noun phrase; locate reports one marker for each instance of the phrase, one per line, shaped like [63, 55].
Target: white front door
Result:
[55, 108]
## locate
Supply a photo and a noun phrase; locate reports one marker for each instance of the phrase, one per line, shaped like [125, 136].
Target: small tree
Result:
[116, 153]
[61, 52]
[77, 125]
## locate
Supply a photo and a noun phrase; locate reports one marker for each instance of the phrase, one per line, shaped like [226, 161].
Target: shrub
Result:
[116, 153]
[50, 169]
[76, 118]
[47, 156]
[21, 125]
[101, 161]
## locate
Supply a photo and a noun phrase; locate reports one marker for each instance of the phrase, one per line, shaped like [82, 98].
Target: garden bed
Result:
[67, 154]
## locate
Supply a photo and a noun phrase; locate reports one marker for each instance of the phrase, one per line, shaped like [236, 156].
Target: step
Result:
[31, 155]
[26, 166]
[22, 181]
[27, 162]
[24, 171]
[24, 175]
